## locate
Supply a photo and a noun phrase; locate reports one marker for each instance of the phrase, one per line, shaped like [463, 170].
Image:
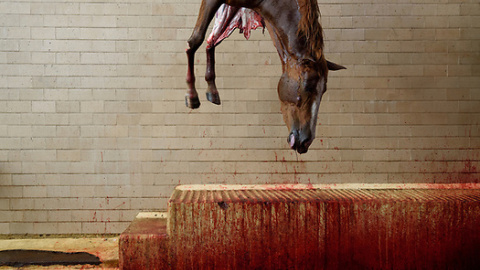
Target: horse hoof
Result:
[192, 103]
[214, 98]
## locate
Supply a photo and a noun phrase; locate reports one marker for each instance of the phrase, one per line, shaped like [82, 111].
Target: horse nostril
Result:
[307, 142]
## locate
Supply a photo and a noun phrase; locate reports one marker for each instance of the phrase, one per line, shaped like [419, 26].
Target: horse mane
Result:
[309, 27]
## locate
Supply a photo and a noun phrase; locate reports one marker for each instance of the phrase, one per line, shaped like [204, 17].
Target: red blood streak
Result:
[288, 228]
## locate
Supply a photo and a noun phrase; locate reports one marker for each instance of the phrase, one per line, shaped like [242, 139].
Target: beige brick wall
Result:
[93, 126]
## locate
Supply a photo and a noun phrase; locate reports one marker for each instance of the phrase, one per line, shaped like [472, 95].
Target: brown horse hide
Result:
[298, 37]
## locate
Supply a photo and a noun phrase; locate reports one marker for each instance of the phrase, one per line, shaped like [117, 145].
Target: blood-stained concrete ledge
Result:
[145, 244]
[313, 227]
[330, 186]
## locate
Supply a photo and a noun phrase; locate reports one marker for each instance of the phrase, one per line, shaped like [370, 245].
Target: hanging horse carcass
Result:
[297, 35]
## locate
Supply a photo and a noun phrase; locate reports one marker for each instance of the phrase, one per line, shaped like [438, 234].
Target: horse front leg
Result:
[205, 16]
[212, 92]
[191, 98]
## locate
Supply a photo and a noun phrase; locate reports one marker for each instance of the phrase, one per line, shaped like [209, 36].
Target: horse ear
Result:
[333, 66]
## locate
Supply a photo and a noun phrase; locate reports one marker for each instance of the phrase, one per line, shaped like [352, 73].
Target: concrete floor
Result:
[104, 248]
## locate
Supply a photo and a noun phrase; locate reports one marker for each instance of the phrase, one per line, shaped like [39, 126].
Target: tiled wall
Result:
[93, 125]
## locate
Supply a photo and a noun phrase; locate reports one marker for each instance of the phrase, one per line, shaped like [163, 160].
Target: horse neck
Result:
[293, 44]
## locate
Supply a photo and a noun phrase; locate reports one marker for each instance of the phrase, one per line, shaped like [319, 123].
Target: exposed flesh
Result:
[228, 18]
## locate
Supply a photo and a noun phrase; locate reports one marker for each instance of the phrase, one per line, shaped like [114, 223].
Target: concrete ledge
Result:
[346, 226]
[328, 186]
[152, 215]
[145, 244]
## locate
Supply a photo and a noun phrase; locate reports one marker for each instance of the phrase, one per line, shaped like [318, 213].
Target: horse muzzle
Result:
[299, 143]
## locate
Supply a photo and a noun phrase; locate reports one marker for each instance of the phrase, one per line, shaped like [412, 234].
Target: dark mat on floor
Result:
[18, 258]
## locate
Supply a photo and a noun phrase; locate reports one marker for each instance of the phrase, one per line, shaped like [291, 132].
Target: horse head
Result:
[300, 91]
